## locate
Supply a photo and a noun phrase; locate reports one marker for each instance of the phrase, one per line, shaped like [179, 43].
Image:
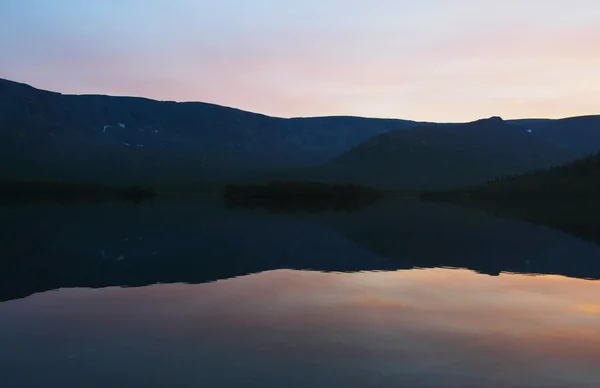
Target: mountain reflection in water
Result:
[51, 246]
[330, 299]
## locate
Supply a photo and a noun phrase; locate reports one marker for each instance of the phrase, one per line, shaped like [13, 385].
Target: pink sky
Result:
[430, 60]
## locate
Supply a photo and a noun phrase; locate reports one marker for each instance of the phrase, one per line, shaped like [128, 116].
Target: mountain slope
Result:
[579, 134]
[116, 140]
[578, 180]
[564, 197]
[46, 135]
[428, 157]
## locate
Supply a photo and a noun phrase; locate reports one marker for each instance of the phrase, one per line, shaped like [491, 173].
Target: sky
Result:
[435, 60]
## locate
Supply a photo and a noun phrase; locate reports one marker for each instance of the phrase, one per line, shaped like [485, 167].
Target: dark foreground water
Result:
[195, 295]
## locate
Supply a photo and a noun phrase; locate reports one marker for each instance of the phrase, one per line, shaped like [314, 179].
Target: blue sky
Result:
[445, 60]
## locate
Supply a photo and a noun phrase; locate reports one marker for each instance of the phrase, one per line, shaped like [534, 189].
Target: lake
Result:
[195, 294]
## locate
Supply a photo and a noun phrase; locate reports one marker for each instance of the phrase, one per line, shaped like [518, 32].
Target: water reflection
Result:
[333, 324]
[419, 328]
[47, 247]
[446, 235]
[581, 219]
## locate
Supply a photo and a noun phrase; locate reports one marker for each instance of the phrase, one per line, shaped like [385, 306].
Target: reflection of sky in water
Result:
[435, 327]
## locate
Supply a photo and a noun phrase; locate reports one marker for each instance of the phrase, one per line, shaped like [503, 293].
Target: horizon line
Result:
[290, 117]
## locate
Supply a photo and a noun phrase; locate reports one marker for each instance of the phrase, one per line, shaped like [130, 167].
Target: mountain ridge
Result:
[47, 135]
[427, 157]
[513, 120]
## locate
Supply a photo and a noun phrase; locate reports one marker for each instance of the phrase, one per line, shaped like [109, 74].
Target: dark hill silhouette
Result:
[50, 136]
[577, 180]
[427, 157]
[579, 134]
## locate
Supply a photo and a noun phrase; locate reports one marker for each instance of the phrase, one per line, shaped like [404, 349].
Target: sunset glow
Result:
[429, 60]
[430, 324]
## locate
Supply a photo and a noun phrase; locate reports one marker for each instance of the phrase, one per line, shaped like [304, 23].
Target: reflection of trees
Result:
[563, 197]
[300, 196]
[24, 191]
[580, 219]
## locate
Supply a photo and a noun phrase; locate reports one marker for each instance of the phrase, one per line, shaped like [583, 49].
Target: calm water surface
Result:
[195, 295]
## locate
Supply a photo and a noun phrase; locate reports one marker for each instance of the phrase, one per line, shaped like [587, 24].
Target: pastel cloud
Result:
[428, 60]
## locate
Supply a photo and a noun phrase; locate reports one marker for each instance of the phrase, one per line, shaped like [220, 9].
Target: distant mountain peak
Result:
[491, 122]
[493, 119]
